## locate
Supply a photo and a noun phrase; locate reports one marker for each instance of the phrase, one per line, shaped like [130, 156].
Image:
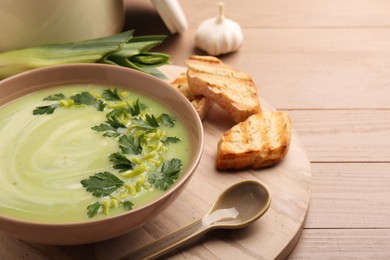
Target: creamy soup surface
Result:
[43, 158]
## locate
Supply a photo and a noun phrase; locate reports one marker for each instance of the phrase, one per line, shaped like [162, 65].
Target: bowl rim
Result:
[183, 180]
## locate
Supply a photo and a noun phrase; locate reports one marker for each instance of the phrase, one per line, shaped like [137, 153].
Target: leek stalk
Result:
[122, 49]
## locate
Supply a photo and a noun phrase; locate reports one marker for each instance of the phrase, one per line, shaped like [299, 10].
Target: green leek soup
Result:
[92, 156]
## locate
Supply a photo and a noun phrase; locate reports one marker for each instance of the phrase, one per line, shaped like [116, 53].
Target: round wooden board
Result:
[273, 236]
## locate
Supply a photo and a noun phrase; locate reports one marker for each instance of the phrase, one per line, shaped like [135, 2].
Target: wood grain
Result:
[299, 13]
[350, 195]
[343, 244]
[344, 135]
[327, 64]
[273, 236]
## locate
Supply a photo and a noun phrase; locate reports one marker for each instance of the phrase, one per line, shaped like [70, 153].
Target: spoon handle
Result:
[169, 242]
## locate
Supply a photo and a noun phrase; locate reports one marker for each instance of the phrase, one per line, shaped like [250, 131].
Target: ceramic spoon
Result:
[236, 207]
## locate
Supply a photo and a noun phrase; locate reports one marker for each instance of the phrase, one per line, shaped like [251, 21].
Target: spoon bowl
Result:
[238, 206]
[250, 199]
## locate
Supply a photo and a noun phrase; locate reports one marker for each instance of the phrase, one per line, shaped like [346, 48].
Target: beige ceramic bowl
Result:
[97, 230]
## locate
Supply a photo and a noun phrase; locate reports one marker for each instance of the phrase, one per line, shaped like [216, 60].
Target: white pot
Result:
[26, 23]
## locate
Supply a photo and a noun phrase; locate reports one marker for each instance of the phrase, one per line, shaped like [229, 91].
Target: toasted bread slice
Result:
[232, 90]
[201, 104]
[261, 140]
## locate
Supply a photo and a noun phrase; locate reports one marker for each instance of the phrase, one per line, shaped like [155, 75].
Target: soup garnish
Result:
[140, 161]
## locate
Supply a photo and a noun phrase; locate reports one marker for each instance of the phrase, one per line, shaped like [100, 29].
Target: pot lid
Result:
[172, 15]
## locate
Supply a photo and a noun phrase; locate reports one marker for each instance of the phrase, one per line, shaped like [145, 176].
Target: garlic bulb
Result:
[219, 35]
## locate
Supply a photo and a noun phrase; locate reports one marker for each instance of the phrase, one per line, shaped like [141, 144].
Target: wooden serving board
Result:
[273, 236]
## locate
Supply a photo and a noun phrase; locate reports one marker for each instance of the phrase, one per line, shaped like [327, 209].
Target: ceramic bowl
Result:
[109, 227]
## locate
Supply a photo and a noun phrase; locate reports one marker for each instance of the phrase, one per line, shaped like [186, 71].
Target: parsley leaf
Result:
[108, 130]
[93, 209]
[115, 112]
[102, 184]
[128, 205]
[149, 123]
[115, 122]
[45, 109]
[169, 172]
[111, 95]
[55, 97]
[131, 144]
[167, 120]
[171, 167]
[100, 105]
[84, 98]
[151, 120]
[120, 162]
[136, 108]
[142, 124]
[170, 139]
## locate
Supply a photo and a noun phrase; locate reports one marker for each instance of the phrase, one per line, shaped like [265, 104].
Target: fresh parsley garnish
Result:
[167, 120]
[111, 95]
[121, 162]
[169, 172]
[170, 139]
[108, 130]
[136, 108]
[100, 105]
[84, 98]
[140, 158]
[115, 112]
[151, 120]
[115, 122]
[102, 184]
[55, 97]
[130, 144]
[144, 125]
[41, 110]
[128, 205]
[93, 209]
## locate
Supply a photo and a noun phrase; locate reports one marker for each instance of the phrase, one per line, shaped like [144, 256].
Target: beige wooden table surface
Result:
[327, 63]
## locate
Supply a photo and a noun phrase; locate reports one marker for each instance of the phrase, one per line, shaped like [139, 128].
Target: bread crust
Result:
[231, 89]
[260, 141]
[201, 104]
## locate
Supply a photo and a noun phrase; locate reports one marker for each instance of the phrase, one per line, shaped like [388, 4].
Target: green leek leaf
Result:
[121, 49]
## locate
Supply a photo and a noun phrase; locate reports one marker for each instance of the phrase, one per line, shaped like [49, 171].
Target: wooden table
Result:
[327, 63]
